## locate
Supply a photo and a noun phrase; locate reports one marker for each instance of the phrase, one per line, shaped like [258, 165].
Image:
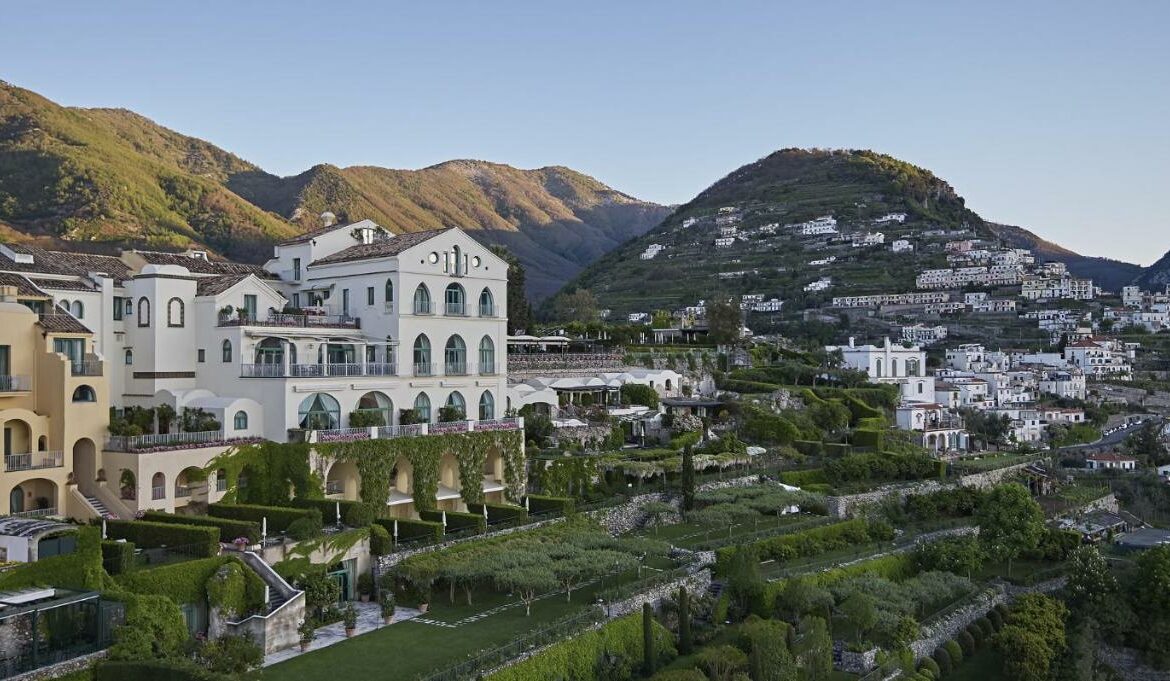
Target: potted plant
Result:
[308, 632]
[387, 607]
[365, 586]
[423, 594]
[349, 617]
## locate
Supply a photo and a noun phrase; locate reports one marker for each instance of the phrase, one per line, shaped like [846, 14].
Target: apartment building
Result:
[901, 365]
[879, 299]
[1049, 288]
[923, 334]
[1100, 358]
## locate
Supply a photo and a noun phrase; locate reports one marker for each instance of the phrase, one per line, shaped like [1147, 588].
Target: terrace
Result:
[304, 320]
[320, 370]
[406, 430]
[31, 461]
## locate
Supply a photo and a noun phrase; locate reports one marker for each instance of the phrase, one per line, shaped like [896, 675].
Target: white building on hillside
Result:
[904, 366]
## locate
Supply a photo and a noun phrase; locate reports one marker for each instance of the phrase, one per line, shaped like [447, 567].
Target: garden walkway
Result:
[369, 619]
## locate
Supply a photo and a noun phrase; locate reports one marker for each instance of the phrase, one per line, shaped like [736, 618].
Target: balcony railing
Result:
[510, 423]
[334, 487]
[455, 368]
[90, 367]
[424, 369]
[329, 321]
[343, 434]
[487, 368]
[487, 310]
[132, 443]
[15, 384]
[157, 493]
[35, 513]
[422, 307]
[182, 491]
[31, 461]
[947, 422]
[411, 430]
[317, 370]
[456, 310]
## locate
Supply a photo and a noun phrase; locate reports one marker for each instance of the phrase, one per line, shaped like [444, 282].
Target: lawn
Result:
[408, 650]
[693, 535]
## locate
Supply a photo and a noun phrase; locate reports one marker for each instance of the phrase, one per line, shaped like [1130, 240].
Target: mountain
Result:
[789, 186]
[97, 179]
[1156, 277]
[1107, 273]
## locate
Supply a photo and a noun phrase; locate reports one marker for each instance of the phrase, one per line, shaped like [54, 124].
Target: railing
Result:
[456, 310]
[342, 321]
[421, 307]
[130, 443]
[487, 311]
[15, 384]
[35, 513]
[381, 369]
[551, 362]
[182, 491]
[31, 461]
[448, 427]
[410, 430]
[267, 370]
[334, 487]
[343, 434]
[90, 367]
[510, 423]
[424, 369]
[487, 368]
[157, 493]
[455, 368]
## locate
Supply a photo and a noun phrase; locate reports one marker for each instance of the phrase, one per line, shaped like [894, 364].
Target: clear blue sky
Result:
[1051, 115]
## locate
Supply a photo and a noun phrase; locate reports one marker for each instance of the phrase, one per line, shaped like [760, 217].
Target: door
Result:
[250, 305]
[16, 497]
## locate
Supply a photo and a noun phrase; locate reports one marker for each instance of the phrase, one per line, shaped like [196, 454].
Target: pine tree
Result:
[648, 638]
[688, 479]
[684, 621]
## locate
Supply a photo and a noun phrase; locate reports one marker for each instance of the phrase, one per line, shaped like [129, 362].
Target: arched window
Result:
[158, 486]
[894, 367]
[455, 356]
[487, 304]
[487, 356]
[143, 312]
[455, 299]
[78, 309]
[128, 355]
[879, 368]
[487, 406]
[227, 350]
[422, 300]
[912, 367]
[422, 356]
[319, 411]
[240, 421]
[422, 408]
[378, 405]
[84, 393]
[176, 313]
[456, 406]
[221, 480]
[389, 291]
[458, 261]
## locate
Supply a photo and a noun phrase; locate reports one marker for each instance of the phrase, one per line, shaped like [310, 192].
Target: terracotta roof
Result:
[1109, 457]
[383, 248]
[24, 287]
[62, 284]
[198, 265]
[64, 262]
[62, 322]
[210, 286]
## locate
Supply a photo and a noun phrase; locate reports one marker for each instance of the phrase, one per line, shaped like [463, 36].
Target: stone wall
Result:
[384, 563]
[1128, 664]
[696, 583]
[853, 662]
[1105, 503]
[938, 632]
[54, 671]
[275, 631]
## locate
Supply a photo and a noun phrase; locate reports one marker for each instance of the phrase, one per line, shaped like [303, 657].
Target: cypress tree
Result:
[648, 639]
[684, 621]
[755, 664]
[688, 479]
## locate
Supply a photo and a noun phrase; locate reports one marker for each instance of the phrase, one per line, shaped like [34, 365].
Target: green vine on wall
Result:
[334, 547]
[272, 470]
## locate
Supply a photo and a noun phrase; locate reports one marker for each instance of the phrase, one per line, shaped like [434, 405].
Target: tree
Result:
[961, 555]
[860, 611]
[1091, 587]
[1010, 522]
[684, 621]
[768, 655]
[647, 638]
[722, 662]
[723, 322]
[656, 511]
[803, 597]
[638, 393]
[519, 309]
[814, 649]
[1025, 655]
[580, 306]
[1146, 444]
[660, 320]
[688, 479]
[1151, 601]
[528, 582]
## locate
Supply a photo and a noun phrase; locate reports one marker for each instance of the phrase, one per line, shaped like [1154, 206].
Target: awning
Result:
[445, 493]
[397, 498]
[490, 485]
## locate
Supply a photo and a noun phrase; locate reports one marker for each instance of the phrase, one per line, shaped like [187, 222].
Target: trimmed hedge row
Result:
[229, 530]
[500, 512]
[812, 476]
[456, 521]
[809, 542]
[409, 530]
[866, 437]
[809, 447]
[117, 556]
[327, 507]
[538, 503]
[187, 582]
[145, 534]
[152, 670]
[279, 517]
[837, 449]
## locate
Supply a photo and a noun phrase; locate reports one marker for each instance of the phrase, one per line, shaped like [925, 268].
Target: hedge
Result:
[931, 666]
[410, 530]
[943, 659]
[500, 512]
[538, 504]
[955, 651]
[807, 543]
[117, 556]
[327, 507]
[576, 658]
[152, 670]
[186, 582]
[80, 570]
[837, 449]
[809, 447]
[380, 542]
[995, 618]
[229, 530]
[812, 476]
[279, 517]
[872, 438]
[456, 521]
[194, 539]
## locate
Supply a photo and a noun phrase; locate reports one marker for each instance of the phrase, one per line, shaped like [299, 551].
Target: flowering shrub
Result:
[196, 445]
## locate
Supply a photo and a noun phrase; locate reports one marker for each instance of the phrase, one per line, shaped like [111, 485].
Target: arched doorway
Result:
[127, 485]
[17, 437]
[190, 487]
[343, 481]
[37, 496]
[16, 500]
[378, 406]
[85, 464]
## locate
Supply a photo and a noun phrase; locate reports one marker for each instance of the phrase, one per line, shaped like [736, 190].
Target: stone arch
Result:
[343, 479]
[85, 463]
[34, 494]
[449, 471]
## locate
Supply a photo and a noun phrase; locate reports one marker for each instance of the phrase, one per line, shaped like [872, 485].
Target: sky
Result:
[1048, 115]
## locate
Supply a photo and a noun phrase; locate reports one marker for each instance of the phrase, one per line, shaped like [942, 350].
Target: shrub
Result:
[360, 515]
[929, 665]
[279, 517]
[802, 479]
[411, 530]
[538, 504]
[985, 627]
[1004, 612]
[634, 393]
[809, 447]
[152, 670]
[996, 619]
[809, 542]
[305, 528]
[229, 530]
[230, 654]
[457, 521]
[501, 512]
[955, 651]
[836, 449]
[873, 439]
[943, 659]
[117, 556]
[976, 635]
[327, 507]
[967, 642]
[380, 541]
[196, 540]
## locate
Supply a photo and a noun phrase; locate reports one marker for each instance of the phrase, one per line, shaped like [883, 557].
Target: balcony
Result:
[423, 307]
[456, 310]
[32, 461]
[334, 487]
[135, 443]
[89, 367]
[182, 491]
[424, 369]
[280, 319]
[487, 368]
[487, 310]
[15, 384]
[317, 370]
[455, 368]
[411, 430]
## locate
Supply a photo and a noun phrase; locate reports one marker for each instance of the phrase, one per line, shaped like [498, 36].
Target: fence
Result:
[130, 443]
[14, 384]
[30, 461]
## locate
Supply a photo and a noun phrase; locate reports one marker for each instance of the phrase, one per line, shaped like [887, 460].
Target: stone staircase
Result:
[99, 507]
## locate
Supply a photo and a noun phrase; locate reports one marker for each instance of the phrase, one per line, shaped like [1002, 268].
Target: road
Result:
[1111, 437]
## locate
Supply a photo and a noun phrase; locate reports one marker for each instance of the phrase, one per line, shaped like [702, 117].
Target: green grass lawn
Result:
[409, 649]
